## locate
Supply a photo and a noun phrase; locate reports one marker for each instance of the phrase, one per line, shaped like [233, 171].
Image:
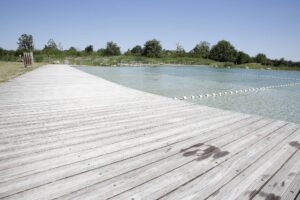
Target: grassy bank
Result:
[120, 60]
[139, 60]
[9, 70]
[259, 66]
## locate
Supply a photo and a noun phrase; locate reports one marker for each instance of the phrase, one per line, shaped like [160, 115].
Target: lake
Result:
[268, 93]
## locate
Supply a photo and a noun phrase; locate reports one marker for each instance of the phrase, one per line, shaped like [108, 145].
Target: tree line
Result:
[223, 51]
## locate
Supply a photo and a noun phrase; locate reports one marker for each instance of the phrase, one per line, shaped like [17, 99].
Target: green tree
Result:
[1, 52]
[179, 50]
[128, 52]
[137, 50]
[112, 49]
[152, 48]
[242, 58]
[201, 49]
[261, 58]
[223, 51]
[51, 45]
[89, 49]
[51, 48]
[25, 42]
[101, 52]
[72, 51]
[282, 62]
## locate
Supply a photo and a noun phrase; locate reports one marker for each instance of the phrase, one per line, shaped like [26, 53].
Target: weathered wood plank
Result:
[69, 135]
[285, 183]
[168, 134]
[95, 159]
[210, 158]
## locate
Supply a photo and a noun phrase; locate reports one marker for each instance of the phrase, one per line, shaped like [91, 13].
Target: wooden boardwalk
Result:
[65, 134]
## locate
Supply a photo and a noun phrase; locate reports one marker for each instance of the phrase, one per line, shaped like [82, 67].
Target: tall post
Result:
[27, 58]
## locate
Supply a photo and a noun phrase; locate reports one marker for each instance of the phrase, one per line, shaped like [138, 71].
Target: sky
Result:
[253, 26]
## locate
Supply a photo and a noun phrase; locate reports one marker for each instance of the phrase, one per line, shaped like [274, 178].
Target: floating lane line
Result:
[216, 94]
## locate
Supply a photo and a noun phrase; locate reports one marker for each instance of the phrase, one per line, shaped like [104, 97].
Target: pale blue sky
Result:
[268, 26]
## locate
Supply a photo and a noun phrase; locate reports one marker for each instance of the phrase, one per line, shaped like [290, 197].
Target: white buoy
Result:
[200, 96]
[207, 95]
[193, 97]
[175, 98]
[225, 92]
[184, 97]
[231, 92]
[214, 94]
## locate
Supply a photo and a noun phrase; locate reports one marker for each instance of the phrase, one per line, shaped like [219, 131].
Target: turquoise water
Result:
[267, 93]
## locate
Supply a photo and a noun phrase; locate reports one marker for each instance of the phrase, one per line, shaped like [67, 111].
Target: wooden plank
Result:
[106, 123]
[211, 182]
[285, 184]
[92, 157]
[93, 145]
[162, 184]
[45, 177]
[259, 172]
[69, 135]
[168, 164]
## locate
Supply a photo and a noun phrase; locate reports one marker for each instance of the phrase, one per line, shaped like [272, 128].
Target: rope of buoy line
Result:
[216, 94]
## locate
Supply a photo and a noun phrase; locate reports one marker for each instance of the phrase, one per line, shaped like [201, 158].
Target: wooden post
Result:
[28, 59]
[31, 58]
[25, 59]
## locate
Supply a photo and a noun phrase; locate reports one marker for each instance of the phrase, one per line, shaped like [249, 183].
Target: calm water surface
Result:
[178, 81]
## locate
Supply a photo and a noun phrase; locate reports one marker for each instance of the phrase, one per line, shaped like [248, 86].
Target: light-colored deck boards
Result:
[73, 160]
[117, 146]
[92, 166]
[178, 176]
[66, 134]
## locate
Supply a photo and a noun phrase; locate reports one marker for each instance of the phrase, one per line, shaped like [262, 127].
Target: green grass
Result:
[9, 70]
[96, 60]
[118, 60]
[260, 66]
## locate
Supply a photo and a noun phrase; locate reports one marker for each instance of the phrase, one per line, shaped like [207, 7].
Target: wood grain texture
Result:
[66, 134]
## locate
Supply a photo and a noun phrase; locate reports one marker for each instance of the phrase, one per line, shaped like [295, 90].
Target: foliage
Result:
[223, 51]
[72, 51]
[51, 44]
[89, 49]
[38, 58]
[201, 50]
[261, 58]
[242, 58]
[169, 53]
[1, 52]
[112, 49]
[51, 48]
[25, 42]
[152, 48]
[137, 50]
[283, 62]
[101, 52]
[222, 54]
[179, 50]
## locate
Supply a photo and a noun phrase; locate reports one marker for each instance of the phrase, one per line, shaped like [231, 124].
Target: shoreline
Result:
[194, 65]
